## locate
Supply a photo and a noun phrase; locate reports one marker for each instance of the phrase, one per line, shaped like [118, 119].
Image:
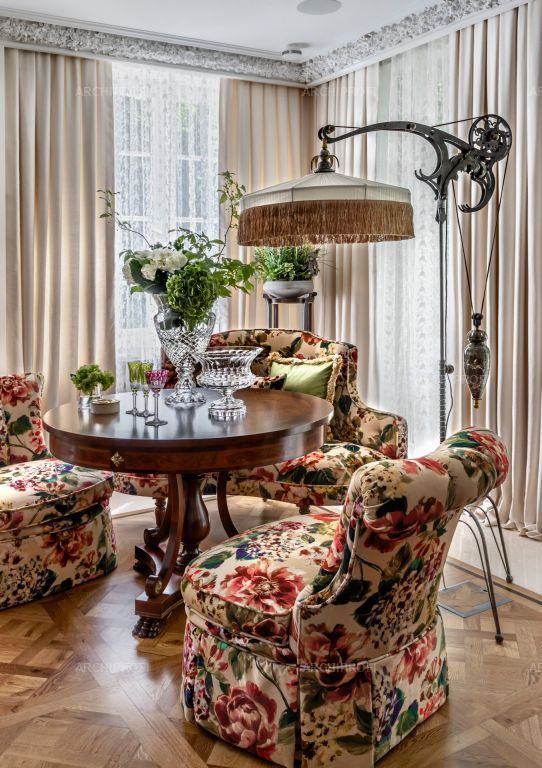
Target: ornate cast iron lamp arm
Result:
[490, 139]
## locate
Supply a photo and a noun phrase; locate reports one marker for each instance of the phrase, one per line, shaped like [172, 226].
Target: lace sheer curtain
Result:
[166, 166]
[405, 276]
[385, 298]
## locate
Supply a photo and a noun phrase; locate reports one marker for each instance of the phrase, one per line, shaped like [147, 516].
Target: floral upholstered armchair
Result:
[320, 634]
[55, 522]
[358, 434]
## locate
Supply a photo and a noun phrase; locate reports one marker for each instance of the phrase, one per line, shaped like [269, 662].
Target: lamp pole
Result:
[489, 141]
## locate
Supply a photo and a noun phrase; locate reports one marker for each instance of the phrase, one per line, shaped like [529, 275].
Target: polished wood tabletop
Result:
[277, 425]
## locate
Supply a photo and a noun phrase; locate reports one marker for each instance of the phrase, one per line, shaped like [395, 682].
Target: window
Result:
[166, 166]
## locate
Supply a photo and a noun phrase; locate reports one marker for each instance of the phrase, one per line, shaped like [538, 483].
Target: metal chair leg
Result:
[502, 551]
[486, 569]
[501, 548]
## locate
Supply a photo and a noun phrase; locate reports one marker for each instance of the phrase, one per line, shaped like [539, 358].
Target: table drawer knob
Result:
[116, 459]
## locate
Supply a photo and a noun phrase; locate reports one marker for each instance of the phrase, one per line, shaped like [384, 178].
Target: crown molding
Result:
[436, 20]
[131, 45]
[192, 42]
[45, 35]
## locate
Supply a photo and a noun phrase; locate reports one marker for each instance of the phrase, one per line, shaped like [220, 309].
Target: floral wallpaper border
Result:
[431, 19]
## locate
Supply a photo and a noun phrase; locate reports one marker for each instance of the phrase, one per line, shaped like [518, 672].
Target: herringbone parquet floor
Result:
[77, 690]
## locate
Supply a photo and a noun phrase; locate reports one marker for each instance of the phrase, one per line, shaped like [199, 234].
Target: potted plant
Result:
[90, 381]
[186, 276]
[287, 272]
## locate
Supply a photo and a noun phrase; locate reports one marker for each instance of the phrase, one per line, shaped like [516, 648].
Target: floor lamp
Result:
[326, 206]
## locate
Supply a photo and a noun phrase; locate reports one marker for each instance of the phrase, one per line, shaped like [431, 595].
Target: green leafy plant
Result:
[87, 377]
[192, 268]
[193, 292]
[289, 263]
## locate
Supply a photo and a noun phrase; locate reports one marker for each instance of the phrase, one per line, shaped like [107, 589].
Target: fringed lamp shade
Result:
[325, 208]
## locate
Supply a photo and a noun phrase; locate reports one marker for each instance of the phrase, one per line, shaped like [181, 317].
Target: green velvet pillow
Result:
[316, 376]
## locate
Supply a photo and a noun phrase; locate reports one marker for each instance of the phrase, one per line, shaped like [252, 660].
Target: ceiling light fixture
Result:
[292, 54]
[318, 7]
[294, 51]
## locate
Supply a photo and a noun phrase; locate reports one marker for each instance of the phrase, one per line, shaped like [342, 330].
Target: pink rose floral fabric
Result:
[251, 582]
[352, 421]
[4, 442]
[55, 523]
[20, 398]
[321, 633]
[56, 556]
[358, 434]
[41, 491]
[151, 485]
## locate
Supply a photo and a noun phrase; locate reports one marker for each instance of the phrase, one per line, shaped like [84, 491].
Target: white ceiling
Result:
[263, 27]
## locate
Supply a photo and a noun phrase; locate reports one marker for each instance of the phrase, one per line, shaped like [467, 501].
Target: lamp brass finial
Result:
[323, 162]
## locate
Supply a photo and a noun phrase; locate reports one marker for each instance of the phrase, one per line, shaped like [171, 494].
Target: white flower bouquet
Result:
[192, 269]
[149, 270]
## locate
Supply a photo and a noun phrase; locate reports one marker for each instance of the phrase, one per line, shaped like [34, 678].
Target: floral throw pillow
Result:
[20, 397]
[4, 443]
[269, 382]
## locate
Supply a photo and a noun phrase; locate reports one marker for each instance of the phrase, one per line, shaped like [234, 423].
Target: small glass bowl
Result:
[227, 369]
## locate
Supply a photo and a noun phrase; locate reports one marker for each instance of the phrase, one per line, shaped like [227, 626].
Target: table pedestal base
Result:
[186, 520]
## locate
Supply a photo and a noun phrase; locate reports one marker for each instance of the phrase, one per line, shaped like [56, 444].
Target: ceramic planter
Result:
[288, 289]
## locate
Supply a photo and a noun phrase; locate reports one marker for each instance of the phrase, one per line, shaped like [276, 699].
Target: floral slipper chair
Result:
[358, 435]
[319, 635]
[55, 522]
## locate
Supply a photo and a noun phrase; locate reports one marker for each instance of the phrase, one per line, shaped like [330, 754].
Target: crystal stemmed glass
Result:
[157, 380]
[135, 382]
[145, 366]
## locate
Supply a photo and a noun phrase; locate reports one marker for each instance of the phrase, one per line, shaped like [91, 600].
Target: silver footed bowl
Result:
[227, 369]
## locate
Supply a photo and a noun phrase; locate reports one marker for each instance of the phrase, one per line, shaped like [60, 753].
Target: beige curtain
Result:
[344, 304]
[496, 66]
[264, 140]
[60, 279]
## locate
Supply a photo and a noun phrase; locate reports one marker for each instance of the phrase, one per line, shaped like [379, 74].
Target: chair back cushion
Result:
[303, 345]
[20, 398]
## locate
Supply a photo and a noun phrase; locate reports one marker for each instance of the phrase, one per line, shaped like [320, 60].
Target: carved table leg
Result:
[153, 537]
[187, 521]
[196, 524]
[222, 502]
[147, 628]
[162, 592]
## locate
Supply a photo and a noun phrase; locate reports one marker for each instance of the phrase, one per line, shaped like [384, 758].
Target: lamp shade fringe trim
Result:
[325, 221]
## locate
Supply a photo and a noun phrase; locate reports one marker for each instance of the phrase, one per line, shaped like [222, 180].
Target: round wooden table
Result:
[278, 426]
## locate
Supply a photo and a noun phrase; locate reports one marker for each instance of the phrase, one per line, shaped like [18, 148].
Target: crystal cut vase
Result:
[228, 369]
[184, 346]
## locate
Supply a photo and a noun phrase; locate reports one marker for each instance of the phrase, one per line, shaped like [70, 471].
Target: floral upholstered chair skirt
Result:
[319, 636]
[56, 530]
[55, 522]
